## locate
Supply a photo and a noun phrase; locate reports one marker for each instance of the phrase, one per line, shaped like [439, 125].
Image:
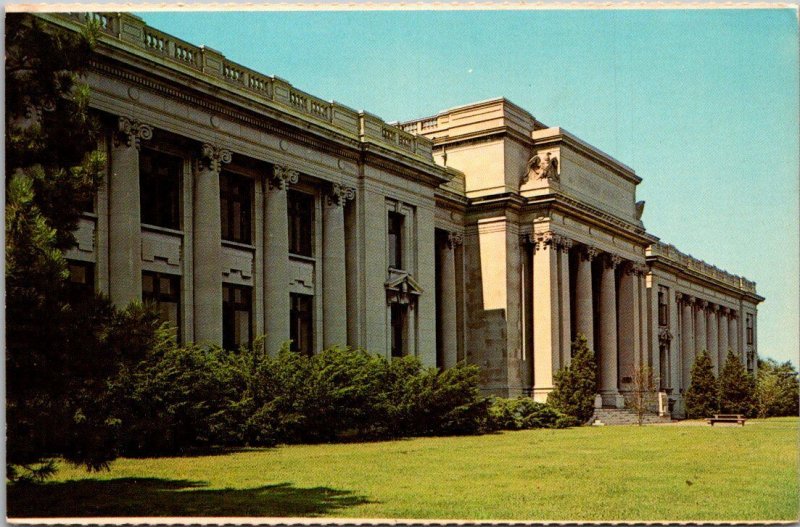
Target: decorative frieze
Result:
[212, 157]
[340, 194]
[282, 177]
[132, 132]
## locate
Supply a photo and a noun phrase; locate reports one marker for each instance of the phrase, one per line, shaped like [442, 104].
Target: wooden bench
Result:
[726, 418]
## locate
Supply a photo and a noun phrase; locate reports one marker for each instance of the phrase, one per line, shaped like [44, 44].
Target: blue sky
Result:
[703, 104]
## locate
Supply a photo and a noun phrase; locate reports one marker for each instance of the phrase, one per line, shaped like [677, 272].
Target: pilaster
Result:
[124, 226]
[207, 245]
[449, 320]
[334, 274]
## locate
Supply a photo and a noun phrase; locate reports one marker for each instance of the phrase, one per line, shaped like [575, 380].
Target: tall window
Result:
[237, 311]
[159, 188]
[749, 330]
[663, 307]
[398, 323]
[81, 281]
[300, 319]
[164, 291]
[235, 202]
[395, 240]
[301, 223]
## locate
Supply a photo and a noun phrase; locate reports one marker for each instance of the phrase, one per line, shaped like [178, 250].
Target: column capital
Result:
[212, 157]
[340, 194]
[724, 310]
[282, 177]
[636, 269]
[612, 260]
[702, 304]
[713, 307]
[131, 132]
[549, 239]
[734, 314]
[588, 252]
[454, 239]
[683, 298]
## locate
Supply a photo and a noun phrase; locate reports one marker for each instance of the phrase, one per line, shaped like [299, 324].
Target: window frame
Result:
[157, 298]
[301, 212]
[230, 308]
[298, 317]
[236, 188]
[79, 291]
[394, 233]
[156, 191]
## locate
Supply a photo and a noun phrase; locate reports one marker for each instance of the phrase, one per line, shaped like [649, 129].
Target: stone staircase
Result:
[625, 416]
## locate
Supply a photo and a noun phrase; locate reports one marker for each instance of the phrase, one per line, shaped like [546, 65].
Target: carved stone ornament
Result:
[589, 252]
[702, 304]
[340, 195]
[613, 260]
[542, 167]
[212, 157]
[282, 177]
[132, 132]
[639, 209]
[543, 240]
[664, 335]
[637, 269]
[454, 239]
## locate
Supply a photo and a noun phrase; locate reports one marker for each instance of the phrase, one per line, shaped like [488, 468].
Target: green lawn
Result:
[673, 472]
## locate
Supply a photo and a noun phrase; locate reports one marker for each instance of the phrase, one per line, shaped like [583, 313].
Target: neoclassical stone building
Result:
[243, 206]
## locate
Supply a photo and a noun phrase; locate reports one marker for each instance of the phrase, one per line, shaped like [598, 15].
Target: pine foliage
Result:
[702, 395]
[736, 387]
[575, 386]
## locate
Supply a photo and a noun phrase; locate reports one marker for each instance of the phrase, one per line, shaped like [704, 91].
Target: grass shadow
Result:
[169, 497]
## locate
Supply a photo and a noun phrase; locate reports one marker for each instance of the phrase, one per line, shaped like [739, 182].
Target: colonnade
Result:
[706, 326]
[615, 328]
[205, 273]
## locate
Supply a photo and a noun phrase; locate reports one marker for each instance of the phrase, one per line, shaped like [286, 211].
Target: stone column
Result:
[722, 332]
[712, 342]
[276, 257]
[546, 332]
[687, 340]
[674, 345]
[641, 273]
[584, 312]
[334, 273]
[700, 342]
[124, 225]
[563, 293]
[449, 318]
[627, 325]
[608, 332]
[733, 333]
[207, 245]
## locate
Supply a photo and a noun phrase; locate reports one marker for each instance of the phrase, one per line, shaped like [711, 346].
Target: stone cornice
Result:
[556, 136]
[669, 256]
[126, 38]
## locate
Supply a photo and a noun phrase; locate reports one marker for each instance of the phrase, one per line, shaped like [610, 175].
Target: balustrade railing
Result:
[670, 252]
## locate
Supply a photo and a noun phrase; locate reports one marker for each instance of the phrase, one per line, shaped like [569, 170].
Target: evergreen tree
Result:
[702, 395]
[575, 386]
[736, 387]
[60, 354]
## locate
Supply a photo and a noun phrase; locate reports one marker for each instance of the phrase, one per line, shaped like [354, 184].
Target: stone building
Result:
[243, 206]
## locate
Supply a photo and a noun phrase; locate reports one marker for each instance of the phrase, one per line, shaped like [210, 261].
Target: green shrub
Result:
[702, 396]
[179, 397]
[736, 387]
[777, 389]
[523, 413]
[575, 386]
